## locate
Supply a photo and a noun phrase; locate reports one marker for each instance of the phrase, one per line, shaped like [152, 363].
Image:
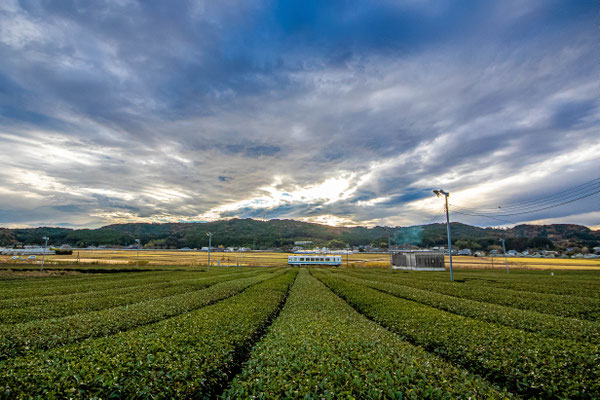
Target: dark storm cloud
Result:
[190, 110]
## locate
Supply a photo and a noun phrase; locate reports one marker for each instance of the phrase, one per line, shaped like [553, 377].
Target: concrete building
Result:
[419, 261]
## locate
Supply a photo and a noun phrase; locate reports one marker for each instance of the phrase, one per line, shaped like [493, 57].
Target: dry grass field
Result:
[166, 257]
[260, 258]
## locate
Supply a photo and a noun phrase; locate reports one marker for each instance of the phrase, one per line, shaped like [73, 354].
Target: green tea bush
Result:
[565, 306]
[527, 363]
[21, 338]
[319, 347]
[545, 324]
[189, 356]
[31, 309]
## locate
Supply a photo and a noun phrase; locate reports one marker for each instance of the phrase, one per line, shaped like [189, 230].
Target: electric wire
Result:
[540, 205]
[437, 215]
[480, 215]
[575, 193]
[571, 195]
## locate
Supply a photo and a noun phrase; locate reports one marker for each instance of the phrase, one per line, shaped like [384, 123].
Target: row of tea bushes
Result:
[127, 286]
[84, 282]
[63, 305]
[18, 339]
[526, 363]
[564, 306]
[575, 283]
[189, 356]
[99, 300]
[87, 282]
[320, 347]
[545, 324]
[92, 282]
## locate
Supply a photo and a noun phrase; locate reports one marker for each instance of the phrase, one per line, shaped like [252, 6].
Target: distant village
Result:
[31, 252]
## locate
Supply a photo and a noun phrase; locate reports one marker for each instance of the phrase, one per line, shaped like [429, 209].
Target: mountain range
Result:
[275, 233]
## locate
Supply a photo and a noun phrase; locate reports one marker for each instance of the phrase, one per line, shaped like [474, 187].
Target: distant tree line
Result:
[283, 233]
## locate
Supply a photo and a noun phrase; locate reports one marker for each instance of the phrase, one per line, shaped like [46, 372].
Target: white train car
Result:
[317, 259]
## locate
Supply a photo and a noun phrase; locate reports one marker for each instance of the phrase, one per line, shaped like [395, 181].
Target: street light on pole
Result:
[44, 253]
[505, 259]
[137, 259]
[445, 194]
[209, 234]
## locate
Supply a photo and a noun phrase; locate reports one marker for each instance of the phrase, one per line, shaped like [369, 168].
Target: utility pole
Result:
[137, 259]
[438, 193]
[44, 253]
[347, 251]
[209, 234]
[389, 247]
[505, 259]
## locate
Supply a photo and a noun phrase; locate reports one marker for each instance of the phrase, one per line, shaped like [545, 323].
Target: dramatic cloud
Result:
[334, 112]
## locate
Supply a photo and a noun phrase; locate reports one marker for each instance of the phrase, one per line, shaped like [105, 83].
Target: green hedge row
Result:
[100, 300]
[22, 338]
[191, 355]
[24, 288]
[85, 283]
[564, 306]
[545, 324]
[527, 363]
[319, 347]
[64, 305]
[569, 283]
[20, 302]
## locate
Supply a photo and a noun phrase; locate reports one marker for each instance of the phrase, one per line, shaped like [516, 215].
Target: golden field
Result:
[260, 258]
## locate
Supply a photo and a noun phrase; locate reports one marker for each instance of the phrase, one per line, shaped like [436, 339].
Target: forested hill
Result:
[283, 234]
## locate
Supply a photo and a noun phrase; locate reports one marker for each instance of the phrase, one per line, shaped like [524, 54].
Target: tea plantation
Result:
[324, 333]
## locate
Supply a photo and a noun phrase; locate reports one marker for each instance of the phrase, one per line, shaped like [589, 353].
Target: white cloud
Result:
[197, 124]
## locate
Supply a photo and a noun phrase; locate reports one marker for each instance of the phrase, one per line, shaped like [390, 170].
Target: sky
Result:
[338, 112]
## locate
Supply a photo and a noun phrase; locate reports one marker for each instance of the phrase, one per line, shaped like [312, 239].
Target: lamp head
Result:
[437, 193]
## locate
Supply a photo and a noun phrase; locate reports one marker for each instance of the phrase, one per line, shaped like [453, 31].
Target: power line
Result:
[540, 204]
[568, 196]
[590, 187]
[437, 216]
[467, 211]
[479, 215]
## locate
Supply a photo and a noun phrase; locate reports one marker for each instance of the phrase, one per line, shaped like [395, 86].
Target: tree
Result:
[336, 244]
[462, 244]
